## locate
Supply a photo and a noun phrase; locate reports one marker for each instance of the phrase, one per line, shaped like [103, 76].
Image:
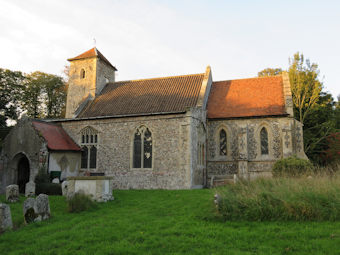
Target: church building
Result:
[177, 132]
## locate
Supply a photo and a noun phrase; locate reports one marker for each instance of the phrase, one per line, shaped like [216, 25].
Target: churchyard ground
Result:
[162, 222]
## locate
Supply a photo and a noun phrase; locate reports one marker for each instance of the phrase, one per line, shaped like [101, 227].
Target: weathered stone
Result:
[56, 180]
[36, 209]
[5, 218]
[30, 189]
[64, 187]
[29, 210]
[99, 188]
[12, 193]
[43, 206]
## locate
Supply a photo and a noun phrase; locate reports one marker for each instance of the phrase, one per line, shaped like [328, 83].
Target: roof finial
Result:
[94, 42]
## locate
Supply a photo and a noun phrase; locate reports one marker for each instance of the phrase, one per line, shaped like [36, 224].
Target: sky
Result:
[149, 38]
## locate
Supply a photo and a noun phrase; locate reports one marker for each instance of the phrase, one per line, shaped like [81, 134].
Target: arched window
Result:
[223, 142]
[82, 73]
[142, 148]
[89, 140]
[264, 141]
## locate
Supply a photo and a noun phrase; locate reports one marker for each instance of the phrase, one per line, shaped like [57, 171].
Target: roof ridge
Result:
[252, 78]
[158, 78]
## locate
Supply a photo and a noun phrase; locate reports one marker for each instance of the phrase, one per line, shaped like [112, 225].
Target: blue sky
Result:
[146, 39]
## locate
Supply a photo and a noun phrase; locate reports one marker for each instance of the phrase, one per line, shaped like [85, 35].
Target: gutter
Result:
[115, 116]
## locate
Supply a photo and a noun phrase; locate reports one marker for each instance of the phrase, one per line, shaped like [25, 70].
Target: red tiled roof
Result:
[56, 137]
[247, 98]
[94, 52]
[157, 95]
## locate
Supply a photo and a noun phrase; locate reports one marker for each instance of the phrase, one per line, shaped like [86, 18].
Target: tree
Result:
[312, 107]
[269, 72]
[11, 87]
[305, 85]
[44, 95]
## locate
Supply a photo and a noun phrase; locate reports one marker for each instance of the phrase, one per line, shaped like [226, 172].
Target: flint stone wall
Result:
[171, 149]
[243, 145]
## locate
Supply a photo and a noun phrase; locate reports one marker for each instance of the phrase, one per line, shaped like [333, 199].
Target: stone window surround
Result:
[132, 136]
[268, 127]
[84, 131]
[219, 157]
[82, 73]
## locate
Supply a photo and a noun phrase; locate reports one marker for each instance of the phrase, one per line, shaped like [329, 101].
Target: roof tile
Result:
[56, 137]
[157, 95]
[246, 98]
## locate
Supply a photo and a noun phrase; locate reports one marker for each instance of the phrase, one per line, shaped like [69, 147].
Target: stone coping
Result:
[89, 178]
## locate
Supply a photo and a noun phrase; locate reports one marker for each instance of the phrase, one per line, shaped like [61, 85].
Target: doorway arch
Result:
[21, 171]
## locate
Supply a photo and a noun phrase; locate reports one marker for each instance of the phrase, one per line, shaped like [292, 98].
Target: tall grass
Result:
[314, 198]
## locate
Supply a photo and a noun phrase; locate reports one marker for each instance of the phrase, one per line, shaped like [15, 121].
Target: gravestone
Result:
[12, 193]
[56, 180]
[64, 188]
[30, 189]
[36, 209]
[5, 218]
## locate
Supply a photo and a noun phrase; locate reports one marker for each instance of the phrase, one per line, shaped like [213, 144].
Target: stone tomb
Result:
[5, 218]
[99, 188]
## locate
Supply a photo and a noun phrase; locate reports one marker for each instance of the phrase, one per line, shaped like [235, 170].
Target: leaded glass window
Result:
[264, 141]
[89, 139]
[142, 148]
[223, 143]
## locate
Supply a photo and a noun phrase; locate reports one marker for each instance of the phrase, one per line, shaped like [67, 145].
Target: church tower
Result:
[89, 73]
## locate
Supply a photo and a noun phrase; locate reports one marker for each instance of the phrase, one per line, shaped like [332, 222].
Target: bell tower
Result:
[89, 73]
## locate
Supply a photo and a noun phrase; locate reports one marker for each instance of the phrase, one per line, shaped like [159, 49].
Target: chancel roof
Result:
[247, 98]
[147, 96]
[55, 136]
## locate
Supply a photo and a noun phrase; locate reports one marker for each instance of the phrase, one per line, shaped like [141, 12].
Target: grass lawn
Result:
[162, 222]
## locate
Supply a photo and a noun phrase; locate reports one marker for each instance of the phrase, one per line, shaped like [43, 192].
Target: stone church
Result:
[178, 132]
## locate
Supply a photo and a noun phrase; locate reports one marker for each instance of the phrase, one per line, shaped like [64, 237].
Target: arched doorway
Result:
[23, 173]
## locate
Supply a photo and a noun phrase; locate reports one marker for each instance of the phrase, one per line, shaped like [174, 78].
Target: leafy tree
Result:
[44, 95]
[269, 72]
[11, 87]
[314, 108]
[305, 85]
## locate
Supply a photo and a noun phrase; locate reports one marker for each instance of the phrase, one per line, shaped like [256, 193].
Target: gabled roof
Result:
[247, 98]
[94, 52]
[56, 137]
[148, 96]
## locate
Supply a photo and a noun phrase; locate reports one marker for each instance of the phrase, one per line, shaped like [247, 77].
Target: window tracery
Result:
[142, 148]
[264, 141]
[89, 143]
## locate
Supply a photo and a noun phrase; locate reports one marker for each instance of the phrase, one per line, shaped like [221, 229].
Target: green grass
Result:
[163, 222]
[300, 199]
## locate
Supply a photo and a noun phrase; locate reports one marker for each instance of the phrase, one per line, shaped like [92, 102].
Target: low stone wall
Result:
[98, 187]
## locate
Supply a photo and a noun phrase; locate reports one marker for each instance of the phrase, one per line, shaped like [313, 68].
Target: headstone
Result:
[5, 218]
[64, 188]
[29, 209]
[217, 200]
[43, 206]
[30, 189]
[56, 180]
[36, 209]
[12, 193]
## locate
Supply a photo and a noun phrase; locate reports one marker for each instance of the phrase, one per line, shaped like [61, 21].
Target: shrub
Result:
[80, 202]
[282, 199]
[42, 177]
[292, 167]
[48, 189]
